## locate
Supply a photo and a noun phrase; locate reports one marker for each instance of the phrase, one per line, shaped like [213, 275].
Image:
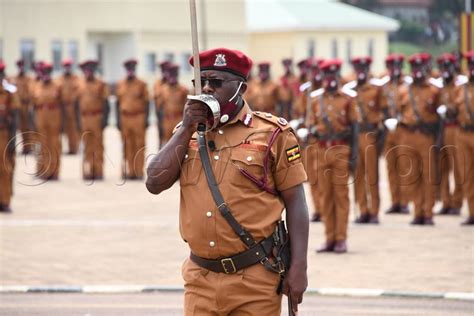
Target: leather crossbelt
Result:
[240, 261]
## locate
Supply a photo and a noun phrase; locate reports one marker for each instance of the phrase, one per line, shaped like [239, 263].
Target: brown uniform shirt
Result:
[390, 98]
[286, 88]
[46, 95]
[301, 102]
[157, 93]
[465, 93]
[173, 100]
[23, 85]
[91, 95]
[8, 103]
[427, 99]
[340, 109]
[69, 88]
[132, 96]
[368, 101]
[241, 143]
[264, 96]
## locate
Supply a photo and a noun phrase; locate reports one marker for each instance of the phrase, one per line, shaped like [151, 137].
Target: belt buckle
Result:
[224, 263]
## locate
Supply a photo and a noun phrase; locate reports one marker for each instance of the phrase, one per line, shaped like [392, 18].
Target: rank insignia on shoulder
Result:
[293, 153]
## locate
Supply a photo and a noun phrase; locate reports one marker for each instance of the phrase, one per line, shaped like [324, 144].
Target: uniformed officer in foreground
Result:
[465, 137]
[94, 109]
[419, 124]
[132, 111]
[8, 113]
[257, 164]
[69, 83]
[335, 126]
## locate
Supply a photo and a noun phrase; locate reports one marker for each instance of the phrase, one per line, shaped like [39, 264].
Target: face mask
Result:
[228, 107]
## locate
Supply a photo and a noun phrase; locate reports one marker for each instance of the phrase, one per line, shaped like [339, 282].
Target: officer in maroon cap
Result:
[132, 111]
[390, 103]
[452, 202]
[334, 124]
[257, 165]
[94, 110]
[464, 107]
[286, 89]
[265, 91]
[49, 109]
[26, 126]
[368, 102]
[157, 96]
[420, 134]
[69, 83]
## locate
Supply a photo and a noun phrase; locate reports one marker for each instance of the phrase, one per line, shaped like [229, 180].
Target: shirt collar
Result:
[244, 116]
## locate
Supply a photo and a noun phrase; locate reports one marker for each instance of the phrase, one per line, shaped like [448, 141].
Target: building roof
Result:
[312, 15]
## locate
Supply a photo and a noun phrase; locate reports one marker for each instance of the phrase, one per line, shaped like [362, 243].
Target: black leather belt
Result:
[256, 254]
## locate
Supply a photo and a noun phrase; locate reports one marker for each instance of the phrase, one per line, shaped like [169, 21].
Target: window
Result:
[57, 50]
[169, 57]
[311, 48]
[150, 62]
[349, 50]
[370, 47]
[27, 53]
[185, 66]
[334, 49]
[73, 51]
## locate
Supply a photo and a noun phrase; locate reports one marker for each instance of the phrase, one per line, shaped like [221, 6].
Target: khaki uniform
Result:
[158, 99]
[391, 101]
[265, 96]
[286, 95]
[241, 144]
[133, 99]
[366, 183]
[465, 143]
[448, 154]
[69, 88]
[48, 120]
[332, 162]
[173, 99]
[91, 97]
[23, 84]
[8, 104]
[419, 169]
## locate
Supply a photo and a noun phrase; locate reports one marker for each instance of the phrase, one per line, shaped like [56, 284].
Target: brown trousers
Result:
[251, 291]
[6, 169]
[26, 128]
[48, 123]
[393, 159]
[418, 171]
[92, 137]
[309, 164]
[333, 175]
[71, 129]
[465, 145]
[448, 163]
[367, 175]
[133, 137]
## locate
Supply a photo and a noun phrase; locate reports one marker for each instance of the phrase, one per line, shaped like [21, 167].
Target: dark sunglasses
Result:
[213, 82]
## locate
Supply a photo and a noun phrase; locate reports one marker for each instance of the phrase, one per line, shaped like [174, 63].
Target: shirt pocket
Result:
[248, 165]
[191, 168]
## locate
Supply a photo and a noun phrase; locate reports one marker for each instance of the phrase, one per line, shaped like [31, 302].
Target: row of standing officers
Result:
[357, 118]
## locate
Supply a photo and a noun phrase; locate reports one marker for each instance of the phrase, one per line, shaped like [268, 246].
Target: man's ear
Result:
[243, 88]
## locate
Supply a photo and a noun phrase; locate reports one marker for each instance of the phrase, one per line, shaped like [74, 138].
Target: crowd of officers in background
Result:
[422, 123]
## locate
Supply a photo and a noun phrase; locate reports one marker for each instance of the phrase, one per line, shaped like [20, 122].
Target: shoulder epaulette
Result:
[437, 82]
[350, 85]
[281, 122]
[349, 92]
[8, 86]
[461, 80]
[316, 93]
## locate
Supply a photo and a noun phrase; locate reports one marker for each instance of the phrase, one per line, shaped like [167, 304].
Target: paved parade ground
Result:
[113, 233]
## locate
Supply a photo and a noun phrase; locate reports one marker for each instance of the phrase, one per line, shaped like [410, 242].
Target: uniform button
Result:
[249, 158]
[186, 156]
[209, 214]
[216, 157]
[212, 244]
[220, 132]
